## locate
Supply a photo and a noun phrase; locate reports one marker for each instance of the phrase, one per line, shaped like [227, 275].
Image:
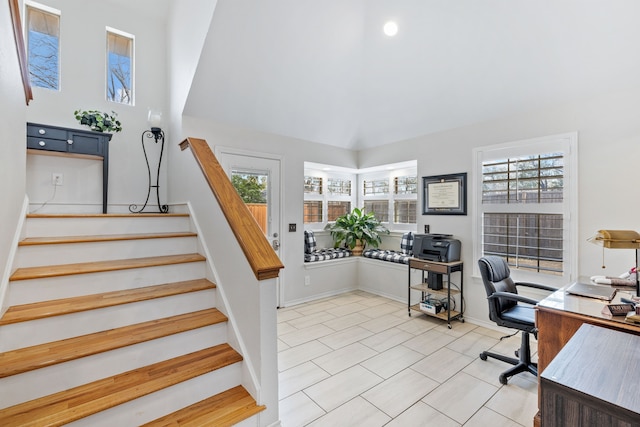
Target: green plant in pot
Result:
[357, 229]
[99, 121]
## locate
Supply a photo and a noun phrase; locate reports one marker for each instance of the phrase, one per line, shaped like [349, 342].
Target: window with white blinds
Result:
[526, 191]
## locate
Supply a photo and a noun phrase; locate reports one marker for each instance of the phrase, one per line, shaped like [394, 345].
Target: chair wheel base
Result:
[503, 379]
[483, 356]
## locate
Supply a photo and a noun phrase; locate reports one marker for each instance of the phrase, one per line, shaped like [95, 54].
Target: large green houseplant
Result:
[357, 229]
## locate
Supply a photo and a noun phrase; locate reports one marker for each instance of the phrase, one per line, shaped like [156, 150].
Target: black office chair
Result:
[509, 309]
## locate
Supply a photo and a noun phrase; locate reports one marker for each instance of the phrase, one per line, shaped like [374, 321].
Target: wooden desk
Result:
[560, 315]
[593, 380]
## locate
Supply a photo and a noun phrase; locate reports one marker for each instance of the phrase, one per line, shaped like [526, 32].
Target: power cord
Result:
[55, 187]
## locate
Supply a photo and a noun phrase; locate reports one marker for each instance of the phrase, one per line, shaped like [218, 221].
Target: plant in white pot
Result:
[357, 229]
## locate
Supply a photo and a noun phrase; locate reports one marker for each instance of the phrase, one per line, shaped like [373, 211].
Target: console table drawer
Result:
[41, 131]
[47, 144]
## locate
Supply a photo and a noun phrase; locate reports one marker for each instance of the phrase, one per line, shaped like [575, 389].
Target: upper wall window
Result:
[119, 67]
[43, 44]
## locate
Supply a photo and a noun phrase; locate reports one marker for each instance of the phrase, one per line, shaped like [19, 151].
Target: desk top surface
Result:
[600, 363]
[562, 301]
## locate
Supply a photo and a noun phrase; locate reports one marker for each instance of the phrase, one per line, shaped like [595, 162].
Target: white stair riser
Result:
[35, 290]
[25, 334]
[71, 253]
[34, 384]
[166, 401]
[89, 226]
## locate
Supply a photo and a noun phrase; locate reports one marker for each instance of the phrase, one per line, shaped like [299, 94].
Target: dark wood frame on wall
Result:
[444, 194]
[14, 8]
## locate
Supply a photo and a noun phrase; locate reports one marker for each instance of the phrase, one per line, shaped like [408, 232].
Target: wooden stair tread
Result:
[100, 266]
[103, 215]
[222, 410]
[29, 241]
[29, 358]
[79, 402]
[50, 308]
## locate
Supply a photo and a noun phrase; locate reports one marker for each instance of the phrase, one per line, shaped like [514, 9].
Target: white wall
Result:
[12, 138]
[294, 153]
[83, 44]
[609, 142]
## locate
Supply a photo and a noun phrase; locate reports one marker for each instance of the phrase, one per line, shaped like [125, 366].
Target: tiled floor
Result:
[359, 360]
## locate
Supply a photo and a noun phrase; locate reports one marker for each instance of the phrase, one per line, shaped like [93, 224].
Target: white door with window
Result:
[256, 176]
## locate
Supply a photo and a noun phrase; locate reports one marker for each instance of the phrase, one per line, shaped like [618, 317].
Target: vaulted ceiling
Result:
[324, 71]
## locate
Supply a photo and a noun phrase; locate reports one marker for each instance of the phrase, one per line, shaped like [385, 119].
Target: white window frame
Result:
[390, 176]
[326, 196]
[133, 64]
[46, 9]
[567, 143]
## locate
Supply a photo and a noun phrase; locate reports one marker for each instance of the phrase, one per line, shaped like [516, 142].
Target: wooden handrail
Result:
[22, 56]
[259, 253]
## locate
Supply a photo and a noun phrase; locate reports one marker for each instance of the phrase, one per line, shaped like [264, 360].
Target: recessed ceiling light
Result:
[390, 28]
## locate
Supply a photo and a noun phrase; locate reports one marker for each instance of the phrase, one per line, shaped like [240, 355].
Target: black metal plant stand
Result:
[158, 135]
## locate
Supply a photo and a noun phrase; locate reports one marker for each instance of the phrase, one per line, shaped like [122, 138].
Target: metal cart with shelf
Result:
[444, 268]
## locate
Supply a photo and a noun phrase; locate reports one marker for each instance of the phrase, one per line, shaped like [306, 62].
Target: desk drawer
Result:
[47, 144]
[428, 266]
[38, 131]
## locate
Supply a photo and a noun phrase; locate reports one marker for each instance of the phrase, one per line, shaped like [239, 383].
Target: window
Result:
[43, 45]
[525, 202]
[312, 211]
[119, 67]
[405, 185]
[312, 185]
[404, 211]
[380, 209]
[327, 195]
[335, 209]
[339, 186]
[392, 197]
[376, 187]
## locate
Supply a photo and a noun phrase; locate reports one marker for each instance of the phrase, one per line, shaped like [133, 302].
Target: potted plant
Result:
[357, 229]
[99, 121]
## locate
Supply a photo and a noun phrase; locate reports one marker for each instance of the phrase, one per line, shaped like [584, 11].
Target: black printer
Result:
[436, 247]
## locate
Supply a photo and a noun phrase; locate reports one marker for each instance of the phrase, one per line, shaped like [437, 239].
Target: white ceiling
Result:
[324, 71]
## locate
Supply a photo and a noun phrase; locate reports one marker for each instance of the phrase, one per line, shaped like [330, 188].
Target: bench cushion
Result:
[392, 256]
[326, 254]
[311, 253]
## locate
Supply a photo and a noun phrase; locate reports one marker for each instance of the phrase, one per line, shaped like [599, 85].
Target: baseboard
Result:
[317, 297]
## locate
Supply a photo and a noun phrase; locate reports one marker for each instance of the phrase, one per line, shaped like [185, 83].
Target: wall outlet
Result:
[307, 280]
[57, 178]
[426, 228]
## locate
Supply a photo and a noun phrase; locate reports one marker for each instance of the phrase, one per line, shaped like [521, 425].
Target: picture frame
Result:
[444, 194]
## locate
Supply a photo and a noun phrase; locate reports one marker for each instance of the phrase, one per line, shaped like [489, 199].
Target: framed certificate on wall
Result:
[444, 194]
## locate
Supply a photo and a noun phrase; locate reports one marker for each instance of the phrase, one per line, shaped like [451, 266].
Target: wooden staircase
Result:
[113, 327]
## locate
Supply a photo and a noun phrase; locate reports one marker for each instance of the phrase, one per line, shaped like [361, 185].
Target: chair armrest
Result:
[536, 285]
[513, 297]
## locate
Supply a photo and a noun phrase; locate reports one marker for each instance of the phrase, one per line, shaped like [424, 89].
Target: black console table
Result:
[59, 141]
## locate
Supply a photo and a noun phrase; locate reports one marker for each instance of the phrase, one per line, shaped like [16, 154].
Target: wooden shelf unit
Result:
[444, 268]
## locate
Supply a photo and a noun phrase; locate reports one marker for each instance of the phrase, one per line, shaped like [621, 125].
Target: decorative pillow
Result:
[406, 244]
[309, 241]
